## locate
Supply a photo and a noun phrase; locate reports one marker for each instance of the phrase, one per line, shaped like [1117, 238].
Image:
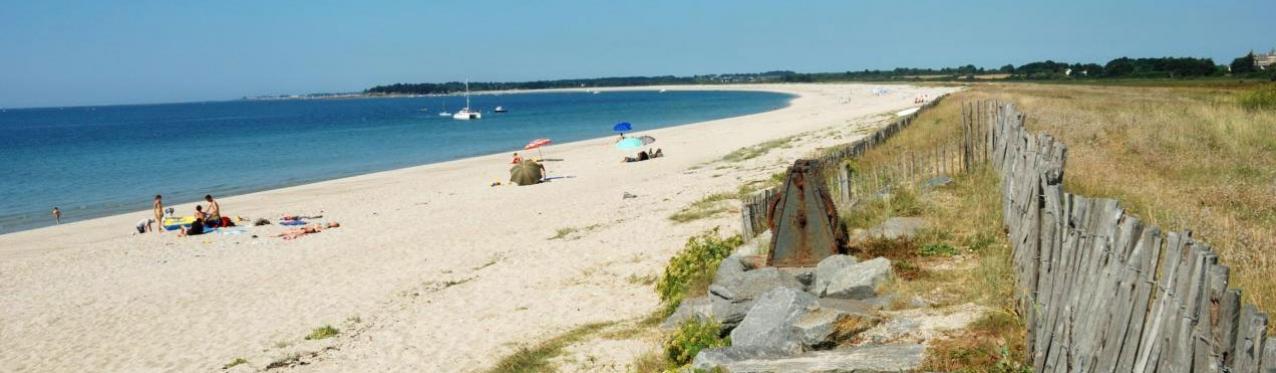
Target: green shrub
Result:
[1262, 98]
[692, 336]
[938, 249]
[693, 268]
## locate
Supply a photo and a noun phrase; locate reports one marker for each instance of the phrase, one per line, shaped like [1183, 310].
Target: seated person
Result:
[197, 226]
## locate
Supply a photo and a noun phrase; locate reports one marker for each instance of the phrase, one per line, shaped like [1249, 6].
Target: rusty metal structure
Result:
[803, 220]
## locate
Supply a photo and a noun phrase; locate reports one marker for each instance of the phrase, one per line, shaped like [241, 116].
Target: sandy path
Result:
[432, 271]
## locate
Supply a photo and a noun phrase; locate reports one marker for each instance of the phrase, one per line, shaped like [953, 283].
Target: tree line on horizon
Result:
[1120, 68]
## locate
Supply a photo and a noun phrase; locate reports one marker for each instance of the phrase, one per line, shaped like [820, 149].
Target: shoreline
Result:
[432, 269]
[88, 211]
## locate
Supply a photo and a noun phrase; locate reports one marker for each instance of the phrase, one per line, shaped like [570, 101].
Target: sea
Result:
[105, 160]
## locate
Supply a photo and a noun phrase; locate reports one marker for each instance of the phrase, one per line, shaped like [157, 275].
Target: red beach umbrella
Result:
[536, 144]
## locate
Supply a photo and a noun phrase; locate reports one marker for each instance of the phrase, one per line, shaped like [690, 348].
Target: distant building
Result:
[1262, 61]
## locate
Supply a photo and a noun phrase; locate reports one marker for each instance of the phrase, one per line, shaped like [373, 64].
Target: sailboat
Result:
[465, 113]
[444, 113]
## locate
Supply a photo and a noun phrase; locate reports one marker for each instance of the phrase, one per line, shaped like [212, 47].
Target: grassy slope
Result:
[1180, 157]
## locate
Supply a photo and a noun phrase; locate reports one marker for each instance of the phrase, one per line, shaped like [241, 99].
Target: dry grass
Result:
[1179, 157]
[965, 238]
[536, 358]
[981, 348]
[710, 205]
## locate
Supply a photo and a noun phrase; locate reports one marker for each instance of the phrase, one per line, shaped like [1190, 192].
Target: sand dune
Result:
[433, 270]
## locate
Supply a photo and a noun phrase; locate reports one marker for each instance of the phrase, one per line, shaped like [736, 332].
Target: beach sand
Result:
[432, 269]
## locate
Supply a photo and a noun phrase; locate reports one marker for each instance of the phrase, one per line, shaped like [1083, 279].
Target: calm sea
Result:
[98, 161]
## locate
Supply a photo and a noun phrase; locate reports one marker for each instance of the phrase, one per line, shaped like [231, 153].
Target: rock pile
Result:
[793, 319]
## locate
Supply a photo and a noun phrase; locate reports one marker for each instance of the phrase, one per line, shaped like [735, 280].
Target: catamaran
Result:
[465, 113]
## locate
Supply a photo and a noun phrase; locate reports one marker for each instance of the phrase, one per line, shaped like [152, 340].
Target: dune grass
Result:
[707, 206]
[323, 332]
[234, 363]
[1198, 158]
[536, 358]
[758, 150]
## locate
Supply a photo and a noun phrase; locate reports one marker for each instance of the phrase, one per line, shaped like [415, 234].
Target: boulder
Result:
[728, 313]
[804, 275]
[711, 358]
[816, 327]
[893, 228]
[870, 358]
[730, 270]
[859, 281]
[937, 181]
[698, 307]
[769, 324]
[752, 284]
[829, 268]
[851, 306]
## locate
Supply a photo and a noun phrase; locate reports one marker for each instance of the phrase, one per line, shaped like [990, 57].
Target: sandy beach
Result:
[432, 269]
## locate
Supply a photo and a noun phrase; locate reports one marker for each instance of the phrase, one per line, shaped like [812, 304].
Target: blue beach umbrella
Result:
[622, 127]
[629, 143]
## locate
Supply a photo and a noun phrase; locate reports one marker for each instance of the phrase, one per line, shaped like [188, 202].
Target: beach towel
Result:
[292, 222]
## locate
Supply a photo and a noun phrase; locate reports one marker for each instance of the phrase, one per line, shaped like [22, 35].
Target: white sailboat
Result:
[444, 113]
[465, 113]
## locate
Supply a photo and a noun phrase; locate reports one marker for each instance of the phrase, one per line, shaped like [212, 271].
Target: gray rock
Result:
[698, 307]
[829, 268]
[851, 306]
[816, 327]
[710, 358]
[872, 358]
[769, 324]
[893, 228]
[936, 182]
[859, 281]
[727, 312]
[729, 270]
[804, 275]
[752, 284]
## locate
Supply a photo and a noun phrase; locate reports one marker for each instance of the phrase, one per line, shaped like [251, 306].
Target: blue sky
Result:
[97, 52]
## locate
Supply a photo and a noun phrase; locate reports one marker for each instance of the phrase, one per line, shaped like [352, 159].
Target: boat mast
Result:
[467, 94]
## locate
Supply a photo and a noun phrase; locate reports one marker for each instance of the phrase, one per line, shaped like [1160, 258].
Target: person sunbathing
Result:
[642, 156]
[312, 228]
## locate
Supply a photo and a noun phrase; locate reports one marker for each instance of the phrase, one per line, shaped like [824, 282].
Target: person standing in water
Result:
[158, 208]
[57, 215]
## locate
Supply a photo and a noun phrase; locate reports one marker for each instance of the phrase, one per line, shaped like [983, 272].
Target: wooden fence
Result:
[1100, 290]
[844, 184]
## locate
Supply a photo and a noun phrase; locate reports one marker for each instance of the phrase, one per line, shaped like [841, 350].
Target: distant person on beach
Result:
[144, 225]
[57, 215]
[158, 209]
[313, 228]
[642, 156]
[517, 159]
[214, 217]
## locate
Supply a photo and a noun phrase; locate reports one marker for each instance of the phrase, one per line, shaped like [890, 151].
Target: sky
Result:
[68, 53]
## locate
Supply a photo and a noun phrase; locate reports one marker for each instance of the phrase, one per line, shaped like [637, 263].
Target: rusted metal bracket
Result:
[804, 223]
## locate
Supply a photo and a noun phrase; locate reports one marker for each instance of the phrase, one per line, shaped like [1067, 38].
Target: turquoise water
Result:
[98, 161]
